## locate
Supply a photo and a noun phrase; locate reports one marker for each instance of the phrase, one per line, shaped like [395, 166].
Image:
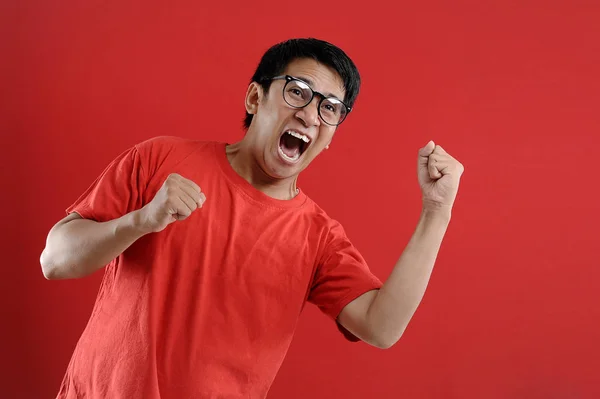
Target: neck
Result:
[244, 163]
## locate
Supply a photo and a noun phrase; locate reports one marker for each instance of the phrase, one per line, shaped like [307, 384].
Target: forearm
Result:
[80, 247]
[399, 297]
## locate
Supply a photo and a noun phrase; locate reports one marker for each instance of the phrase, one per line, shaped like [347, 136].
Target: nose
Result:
[309, 115]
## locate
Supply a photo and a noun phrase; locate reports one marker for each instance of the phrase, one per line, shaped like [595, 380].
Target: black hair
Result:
[277, 58]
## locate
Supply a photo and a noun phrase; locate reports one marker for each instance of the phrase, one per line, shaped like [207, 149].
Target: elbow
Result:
[56, 258]
[58, 268]
[384, 344]
[385, 340]
[51, 269]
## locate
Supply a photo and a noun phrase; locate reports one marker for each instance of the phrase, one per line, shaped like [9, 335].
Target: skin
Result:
[77, 247]
[380, 317]
[256, 157]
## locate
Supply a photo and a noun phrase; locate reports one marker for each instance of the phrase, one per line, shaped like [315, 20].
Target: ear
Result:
[253, 97]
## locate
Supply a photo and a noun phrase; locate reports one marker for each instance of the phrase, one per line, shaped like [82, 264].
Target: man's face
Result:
[276, 125]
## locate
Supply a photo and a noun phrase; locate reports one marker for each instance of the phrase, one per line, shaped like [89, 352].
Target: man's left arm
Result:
[379, 317]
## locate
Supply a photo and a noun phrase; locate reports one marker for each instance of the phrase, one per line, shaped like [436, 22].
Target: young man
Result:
[213, 251]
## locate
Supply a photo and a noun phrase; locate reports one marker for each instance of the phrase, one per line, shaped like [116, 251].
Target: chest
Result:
[239, 244]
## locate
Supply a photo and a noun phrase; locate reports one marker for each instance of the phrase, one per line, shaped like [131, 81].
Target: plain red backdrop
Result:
[509, 88]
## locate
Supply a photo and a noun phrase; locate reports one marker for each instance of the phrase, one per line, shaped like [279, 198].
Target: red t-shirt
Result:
[206, 308]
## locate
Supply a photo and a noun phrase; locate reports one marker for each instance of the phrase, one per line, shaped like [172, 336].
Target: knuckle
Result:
[170, 190]
[172, 197]
[169, 183]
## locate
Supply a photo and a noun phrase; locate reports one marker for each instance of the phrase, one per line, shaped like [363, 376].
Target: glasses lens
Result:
[297, 94]
[333, 111]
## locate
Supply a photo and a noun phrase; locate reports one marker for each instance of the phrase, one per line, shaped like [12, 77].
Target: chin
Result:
[277, 168]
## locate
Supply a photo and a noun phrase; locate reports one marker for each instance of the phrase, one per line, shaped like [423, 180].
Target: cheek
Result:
[273, 116]
[325, 136]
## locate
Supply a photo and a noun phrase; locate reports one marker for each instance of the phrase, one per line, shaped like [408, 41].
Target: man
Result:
[212, 250]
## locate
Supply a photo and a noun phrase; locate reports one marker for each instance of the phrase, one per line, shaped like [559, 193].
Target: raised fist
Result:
[176, 200]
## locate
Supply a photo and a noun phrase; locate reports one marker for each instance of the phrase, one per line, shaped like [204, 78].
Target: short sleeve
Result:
[116, 192]
[342, 275]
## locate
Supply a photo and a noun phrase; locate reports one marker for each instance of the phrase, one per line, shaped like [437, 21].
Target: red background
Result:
[511, 89]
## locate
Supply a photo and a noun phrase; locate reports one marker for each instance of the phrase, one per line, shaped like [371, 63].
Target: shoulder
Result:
[157, 150]
[165, 145]
[330, 229]
[162, 155]
[334, 245]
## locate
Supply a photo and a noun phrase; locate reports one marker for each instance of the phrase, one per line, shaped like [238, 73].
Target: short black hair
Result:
[277, 58]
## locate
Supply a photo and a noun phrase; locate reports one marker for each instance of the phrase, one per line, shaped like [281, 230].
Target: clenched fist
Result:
[439, 176]
[176, 200]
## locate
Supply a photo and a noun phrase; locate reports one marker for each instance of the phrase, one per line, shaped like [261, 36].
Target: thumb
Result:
[425, 152]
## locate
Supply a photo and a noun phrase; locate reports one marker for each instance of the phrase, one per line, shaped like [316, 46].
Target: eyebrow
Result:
[311, 84]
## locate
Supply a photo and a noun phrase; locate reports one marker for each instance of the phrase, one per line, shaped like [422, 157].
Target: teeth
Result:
[299, 136]
[288, 158]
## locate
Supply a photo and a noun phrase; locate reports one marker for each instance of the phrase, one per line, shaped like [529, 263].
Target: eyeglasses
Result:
[299, 94]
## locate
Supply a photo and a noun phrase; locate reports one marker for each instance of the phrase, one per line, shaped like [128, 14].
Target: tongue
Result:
[290, 145]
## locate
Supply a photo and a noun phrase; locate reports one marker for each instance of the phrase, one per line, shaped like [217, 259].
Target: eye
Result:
[330, 107]
[296, 91]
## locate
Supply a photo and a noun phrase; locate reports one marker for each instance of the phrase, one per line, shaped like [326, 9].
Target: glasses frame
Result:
[289, 79]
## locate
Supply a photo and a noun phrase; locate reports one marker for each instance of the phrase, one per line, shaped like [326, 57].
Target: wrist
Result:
[436, 211]
[137, 223]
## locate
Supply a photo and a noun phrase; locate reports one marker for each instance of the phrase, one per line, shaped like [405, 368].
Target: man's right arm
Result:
[77, 247]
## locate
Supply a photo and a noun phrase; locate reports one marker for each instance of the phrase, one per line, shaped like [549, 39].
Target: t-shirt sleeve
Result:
[116, 192]
[342, 275]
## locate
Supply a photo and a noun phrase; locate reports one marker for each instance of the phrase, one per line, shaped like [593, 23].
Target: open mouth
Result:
[292, 145]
